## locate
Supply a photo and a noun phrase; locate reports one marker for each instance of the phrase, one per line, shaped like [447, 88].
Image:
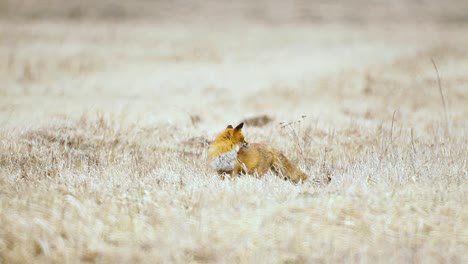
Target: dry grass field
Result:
[105, 125]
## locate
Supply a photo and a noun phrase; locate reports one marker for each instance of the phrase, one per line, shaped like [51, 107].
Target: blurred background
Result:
[167, 60]
[273, 11]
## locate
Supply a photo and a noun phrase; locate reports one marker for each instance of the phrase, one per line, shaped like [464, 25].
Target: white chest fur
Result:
[225, 162]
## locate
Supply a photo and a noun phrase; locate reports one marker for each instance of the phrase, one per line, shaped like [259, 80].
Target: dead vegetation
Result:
[258, 121]
[103, 143]
[109, 192]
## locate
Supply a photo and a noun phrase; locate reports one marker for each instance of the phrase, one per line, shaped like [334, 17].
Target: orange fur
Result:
[230, 154]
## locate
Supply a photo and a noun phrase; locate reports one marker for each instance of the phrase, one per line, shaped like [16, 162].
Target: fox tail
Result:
[283, 167]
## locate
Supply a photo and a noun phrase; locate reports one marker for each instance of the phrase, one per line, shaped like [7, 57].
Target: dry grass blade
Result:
[442, 98]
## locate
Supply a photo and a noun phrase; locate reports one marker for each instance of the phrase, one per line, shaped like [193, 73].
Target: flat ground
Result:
[105, 126]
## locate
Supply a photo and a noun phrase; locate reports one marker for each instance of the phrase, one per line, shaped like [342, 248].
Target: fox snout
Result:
[244, 145]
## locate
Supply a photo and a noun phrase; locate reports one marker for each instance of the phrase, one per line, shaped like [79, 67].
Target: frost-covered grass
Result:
[105, 131]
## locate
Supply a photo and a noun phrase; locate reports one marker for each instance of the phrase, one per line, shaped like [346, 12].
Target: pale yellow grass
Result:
[105, 129]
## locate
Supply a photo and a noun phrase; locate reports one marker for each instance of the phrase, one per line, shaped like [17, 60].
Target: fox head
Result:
[223, 151]
[233, 137]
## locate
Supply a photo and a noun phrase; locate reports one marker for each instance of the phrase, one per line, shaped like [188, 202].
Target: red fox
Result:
[230, 154]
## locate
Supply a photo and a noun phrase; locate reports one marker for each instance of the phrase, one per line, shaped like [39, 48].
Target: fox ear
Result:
[229, 126]
[239, 126]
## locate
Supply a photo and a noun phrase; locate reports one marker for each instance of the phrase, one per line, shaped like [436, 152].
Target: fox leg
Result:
[222, 174]
[236, 171]
[239, 168]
